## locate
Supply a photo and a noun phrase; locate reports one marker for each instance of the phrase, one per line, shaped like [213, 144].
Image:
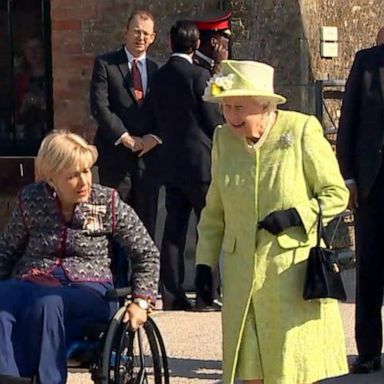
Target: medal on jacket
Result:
[93, 216]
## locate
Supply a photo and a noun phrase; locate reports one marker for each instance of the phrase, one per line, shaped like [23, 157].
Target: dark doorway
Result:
[26, 76]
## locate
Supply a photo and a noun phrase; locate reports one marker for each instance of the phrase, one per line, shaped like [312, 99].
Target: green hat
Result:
[242, 78]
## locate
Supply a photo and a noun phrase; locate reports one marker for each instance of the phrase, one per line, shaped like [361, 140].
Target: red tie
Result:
[136, 81]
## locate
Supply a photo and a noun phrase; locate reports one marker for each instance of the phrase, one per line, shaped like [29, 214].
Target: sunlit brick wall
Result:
[284, 33]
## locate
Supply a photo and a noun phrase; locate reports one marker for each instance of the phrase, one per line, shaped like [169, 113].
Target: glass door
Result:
[26, 76]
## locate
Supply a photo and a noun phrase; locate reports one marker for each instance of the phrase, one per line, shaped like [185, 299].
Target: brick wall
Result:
[273, 31]
[284, 33]
[72, 64]
[82, 29]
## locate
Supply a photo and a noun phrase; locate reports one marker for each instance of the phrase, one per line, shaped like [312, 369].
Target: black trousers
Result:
[179, 202]
[370, 270]
[138, 188]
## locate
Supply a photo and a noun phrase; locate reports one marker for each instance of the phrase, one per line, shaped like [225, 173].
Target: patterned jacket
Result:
[37, 237]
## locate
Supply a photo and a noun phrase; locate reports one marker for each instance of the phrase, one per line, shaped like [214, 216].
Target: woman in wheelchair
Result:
[55, 262]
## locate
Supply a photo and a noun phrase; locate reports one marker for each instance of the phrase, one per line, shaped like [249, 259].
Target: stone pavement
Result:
[193, 342]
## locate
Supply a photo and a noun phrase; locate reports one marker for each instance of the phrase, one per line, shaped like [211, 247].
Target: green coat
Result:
[299, 341]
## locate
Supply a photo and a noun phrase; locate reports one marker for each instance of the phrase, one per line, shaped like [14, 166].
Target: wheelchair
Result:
[114, 354]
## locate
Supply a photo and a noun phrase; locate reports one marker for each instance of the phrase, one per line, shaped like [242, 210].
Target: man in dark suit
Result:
[215, 34]
[360, 152]
[185, 125]
[125, 136]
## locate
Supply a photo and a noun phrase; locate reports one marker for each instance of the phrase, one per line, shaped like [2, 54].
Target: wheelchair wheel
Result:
[133, 357]
[163, 354]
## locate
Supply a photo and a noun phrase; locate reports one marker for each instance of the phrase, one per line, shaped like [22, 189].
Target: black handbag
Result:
[322, 277]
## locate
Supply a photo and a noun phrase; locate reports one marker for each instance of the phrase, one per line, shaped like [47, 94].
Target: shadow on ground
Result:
[371, 378]
[195, 369]
[211, 370]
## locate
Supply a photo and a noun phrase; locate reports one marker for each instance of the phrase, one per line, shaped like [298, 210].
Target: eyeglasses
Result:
[139, 32]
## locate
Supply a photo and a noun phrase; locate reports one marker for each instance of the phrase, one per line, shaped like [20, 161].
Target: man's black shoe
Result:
[203, 307]
[177, 305]
[364, 365]
[207, 308]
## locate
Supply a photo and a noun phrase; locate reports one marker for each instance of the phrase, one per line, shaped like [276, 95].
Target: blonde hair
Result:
[61, 150]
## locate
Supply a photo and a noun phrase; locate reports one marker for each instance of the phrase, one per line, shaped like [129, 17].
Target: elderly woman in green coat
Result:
[270, 168]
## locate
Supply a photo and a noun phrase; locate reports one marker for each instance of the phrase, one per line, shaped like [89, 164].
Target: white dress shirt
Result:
[141, 65]
[185, 56]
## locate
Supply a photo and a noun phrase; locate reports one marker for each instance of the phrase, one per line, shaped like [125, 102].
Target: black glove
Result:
[203, 283]
[276, 222]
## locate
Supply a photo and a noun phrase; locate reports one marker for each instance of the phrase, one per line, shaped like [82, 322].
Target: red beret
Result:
[219, 23]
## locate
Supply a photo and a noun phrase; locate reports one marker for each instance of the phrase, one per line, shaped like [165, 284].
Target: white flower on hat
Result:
[225, 82]
[218, 84]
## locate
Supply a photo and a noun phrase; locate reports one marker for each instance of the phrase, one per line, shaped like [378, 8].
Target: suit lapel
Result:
[122, 64]
[151, 69]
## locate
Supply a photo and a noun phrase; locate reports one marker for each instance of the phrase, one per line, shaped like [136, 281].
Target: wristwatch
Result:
[141, 303]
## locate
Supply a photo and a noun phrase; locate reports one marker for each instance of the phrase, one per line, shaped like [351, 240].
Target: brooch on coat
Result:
[93, 216]
[286, 140]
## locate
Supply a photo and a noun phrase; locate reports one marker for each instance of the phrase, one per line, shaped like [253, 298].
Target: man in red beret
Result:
[215, 35]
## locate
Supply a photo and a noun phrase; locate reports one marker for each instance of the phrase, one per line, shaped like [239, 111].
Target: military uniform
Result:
[210, 27]
[217, 28]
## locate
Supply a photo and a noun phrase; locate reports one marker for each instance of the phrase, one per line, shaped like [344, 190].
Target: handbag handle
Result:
[320, 227]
